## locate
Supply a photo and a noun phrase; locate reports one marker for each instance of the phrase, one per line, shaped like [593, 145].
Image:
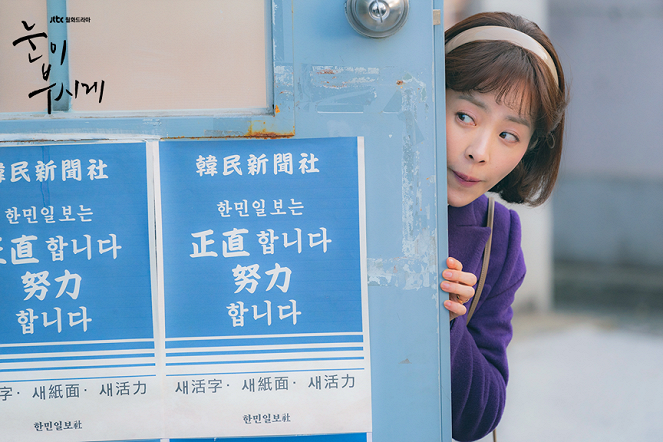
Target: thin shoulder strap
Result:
[486, 259]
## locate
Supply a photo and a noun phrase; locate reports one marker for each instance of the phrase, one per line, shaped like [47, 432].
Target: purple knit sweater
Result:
[479, 370]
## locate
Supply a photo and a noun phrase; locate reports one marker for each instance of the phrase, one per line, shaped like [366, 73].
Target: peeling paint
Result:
[152, 121]
[263, 133]
[336, 77]
[283, 75]
[420, 85]
[419, 240]
[250, 133]
[409, 273]
[417, 267]
[338, 89]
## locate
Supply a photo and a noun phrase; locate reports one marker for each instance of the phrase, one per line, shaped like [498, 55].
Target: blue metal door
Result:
[389, 91]
[330, 81]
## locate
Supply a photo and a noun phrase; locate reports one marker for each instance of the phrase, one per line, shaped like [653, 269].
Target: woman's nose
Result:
[479, 148]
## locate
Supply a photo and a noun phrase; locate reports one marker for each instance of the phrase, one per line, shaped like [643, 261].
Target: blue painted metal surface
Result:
[442, 239]
[330, 81]
[384, 90]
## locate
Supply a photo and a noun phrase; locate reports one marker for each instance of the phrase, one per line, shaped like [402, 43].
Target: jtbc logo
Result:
[57, 19]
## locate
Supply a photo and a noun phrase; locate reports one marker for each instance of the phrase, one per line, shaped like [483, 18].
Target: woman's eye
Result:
[464, 118]
[509, 137]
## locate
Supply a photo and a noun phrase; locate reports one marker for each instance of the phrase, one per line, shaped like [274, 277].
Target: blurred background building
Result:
[608, 208]
[603, 231]
[588, 326]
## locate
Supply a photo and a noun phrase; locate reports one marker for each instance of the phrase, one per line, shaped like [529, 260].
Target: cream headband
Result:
[505, 34]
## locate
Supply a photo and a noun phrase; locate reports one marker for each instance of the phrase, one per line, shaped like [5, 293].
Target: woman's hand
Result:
[459, 285]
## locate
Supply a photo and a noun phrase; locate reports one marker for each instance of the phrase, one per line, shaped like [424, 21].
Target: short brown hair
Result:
[503, 68]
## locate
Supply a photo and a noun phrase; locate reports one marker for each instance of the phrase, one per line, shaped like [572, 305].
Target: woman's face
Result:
[485, 141]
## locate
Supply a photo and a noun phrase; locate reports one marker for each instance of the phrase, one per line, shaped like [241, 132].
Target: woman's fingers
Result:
[454, 264]
[455, 309]
[466, 278]
[464, 292]
[459, 285]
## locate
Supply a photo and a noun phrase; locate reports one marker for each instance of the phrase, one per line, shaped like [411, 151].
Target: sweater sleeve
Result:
[479, 369]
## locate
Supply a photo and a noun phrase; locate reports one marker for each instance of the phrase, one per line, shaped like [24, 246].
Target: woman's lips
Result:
[465, 180]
